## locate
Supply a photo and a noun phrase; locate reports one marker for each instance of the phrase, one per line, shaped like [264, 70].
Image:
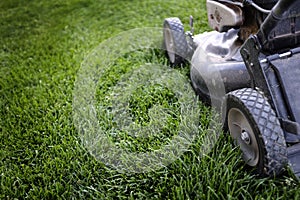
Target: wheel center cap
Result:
[245, 137]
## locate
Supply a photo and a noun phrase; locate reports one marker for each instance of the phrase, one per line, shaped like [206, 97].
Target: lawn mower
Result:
[253, 56]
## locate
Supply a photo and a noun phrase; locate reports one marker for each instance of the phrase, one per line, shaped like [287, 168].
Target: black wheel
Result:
[175, 41]
[255, 128]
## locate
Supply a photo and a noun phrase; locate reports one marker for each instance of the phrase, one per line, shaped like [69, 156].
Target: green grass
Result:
[42, 46]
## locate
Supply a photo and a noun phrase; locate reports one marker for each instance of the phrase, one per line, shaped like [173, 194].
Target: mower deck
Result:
[294, 159]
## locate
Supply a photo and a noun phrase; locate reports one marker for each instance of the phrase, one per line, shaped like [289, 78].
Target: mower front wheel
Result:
[254, 126]
[175, 42]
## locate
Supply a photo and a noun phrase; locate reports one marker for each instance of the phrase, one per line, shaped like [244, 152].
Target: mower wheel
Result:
[254, 126]
[175, 41]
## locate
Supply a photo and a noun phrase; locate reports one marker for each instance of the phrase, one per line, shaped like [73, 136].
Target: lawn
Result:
[44, 48]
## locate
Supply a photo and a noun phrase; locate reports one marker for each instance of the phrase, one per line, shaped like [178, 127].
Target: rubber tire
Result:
[266, 127]
[174, 27]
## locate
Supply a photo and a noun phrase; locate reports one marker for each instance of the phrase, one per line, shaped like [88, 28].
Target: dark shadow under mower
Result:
[250, 64]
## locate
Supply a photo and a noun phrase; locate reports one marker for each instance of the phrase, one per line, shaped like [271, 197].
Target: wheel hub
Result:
[243, 134]
[170, 44]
